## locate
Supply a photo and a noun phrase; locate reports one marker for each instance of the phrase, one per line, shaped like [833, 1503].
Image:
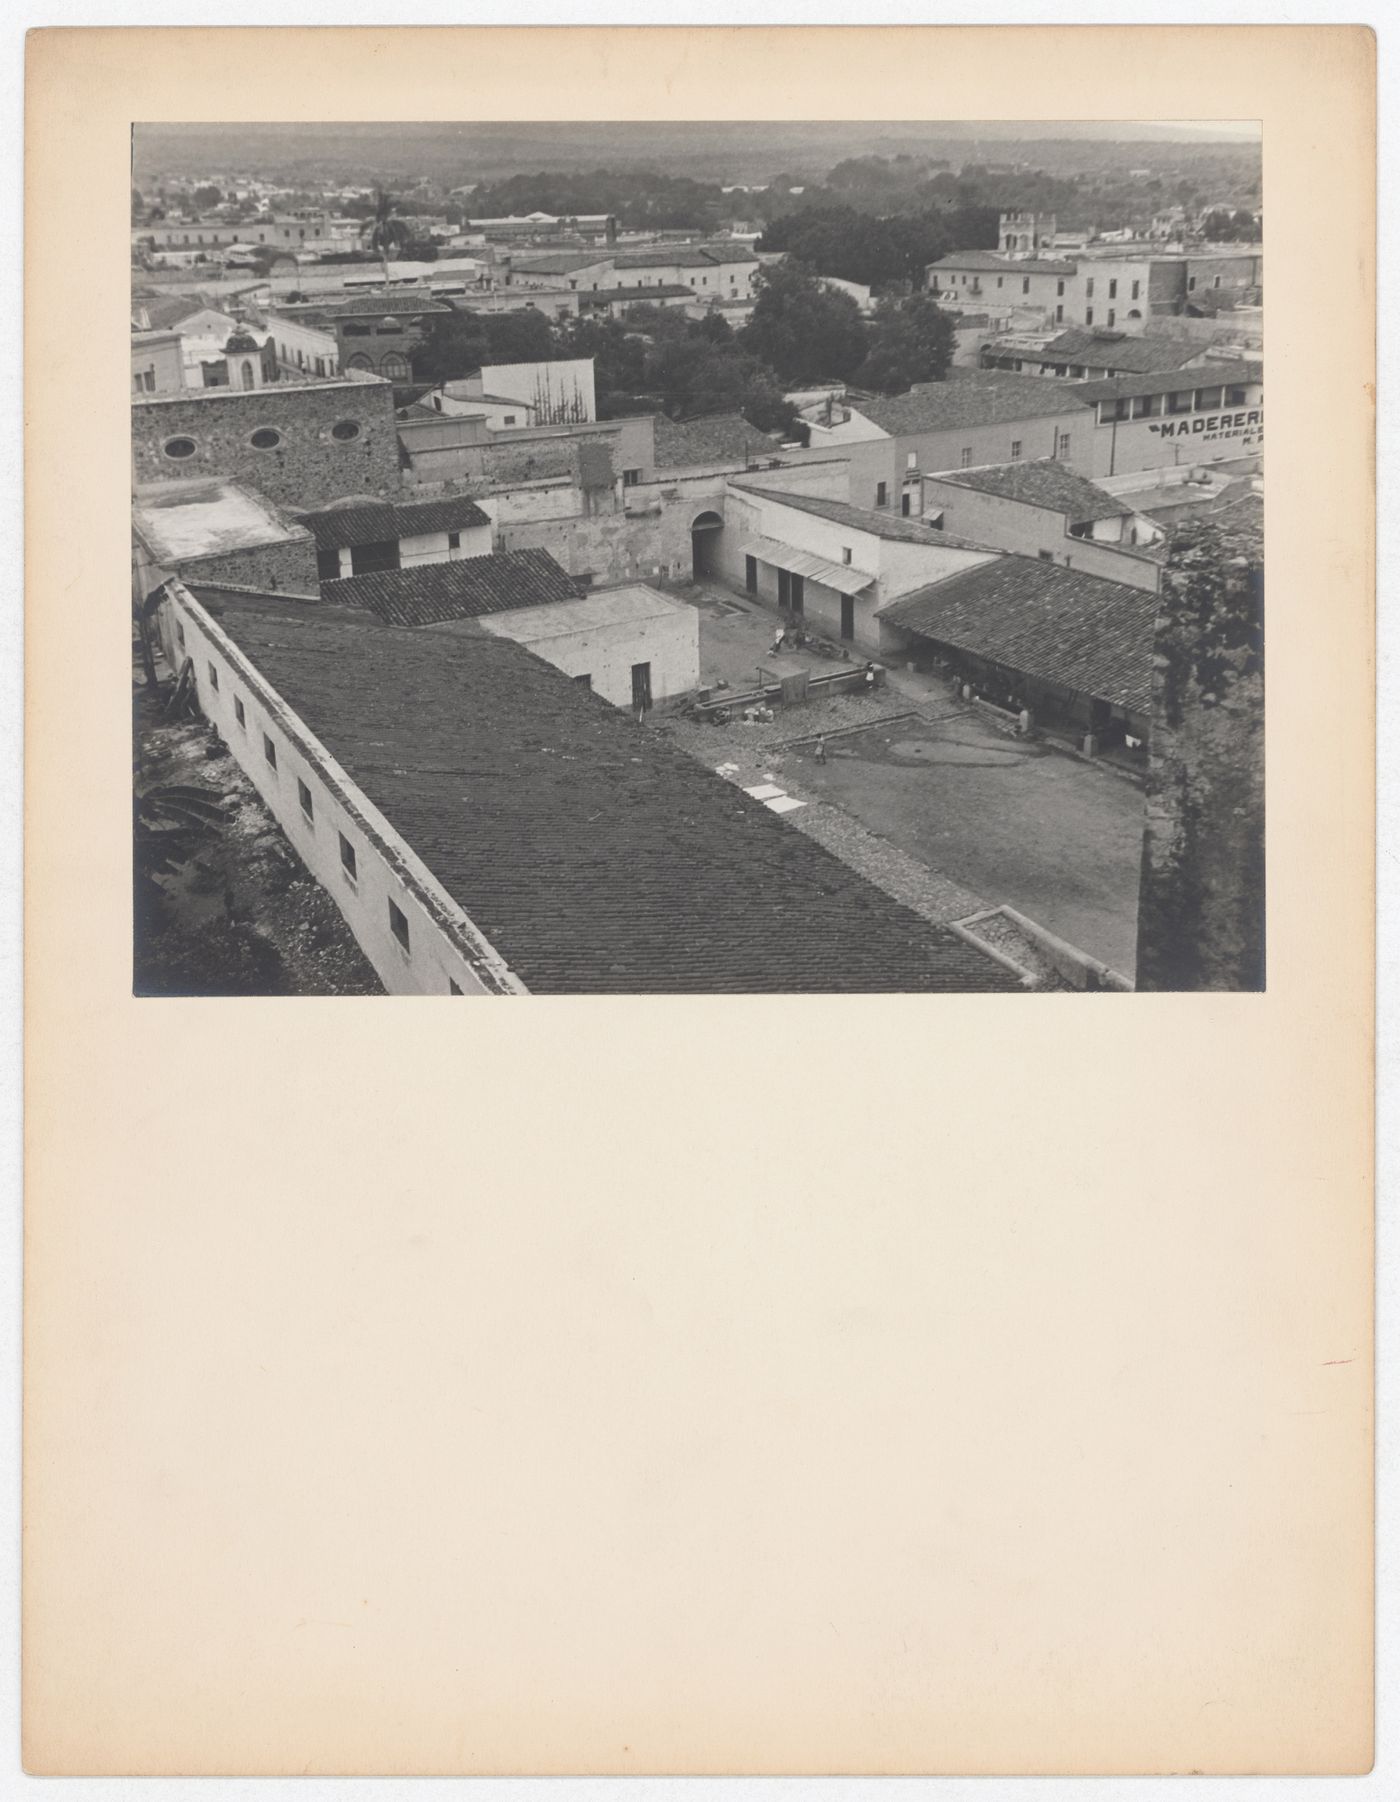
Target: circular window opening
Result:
[179, 448]
[265, 439]
[345, 430]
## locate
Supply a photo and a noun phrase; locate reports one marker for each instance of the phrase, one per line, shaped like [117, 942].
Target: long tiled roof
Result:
[1116, 351]
[398, 303]
[865, 519]
[596, 858]
[987, 261]
[564, 262]
[430, 593]
[1083, 632]
[633, 296]
[1045, 482]
[971, 397]
[1206, 375]
[374, 522]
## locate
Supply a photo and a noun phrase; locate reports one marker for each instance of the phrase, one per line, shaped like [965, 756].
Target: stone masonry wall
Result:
[287, 568]
[307, 468]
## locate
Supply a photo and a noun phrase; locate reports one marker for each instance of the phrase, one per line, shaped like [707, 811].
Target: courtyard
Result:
[1002, 819]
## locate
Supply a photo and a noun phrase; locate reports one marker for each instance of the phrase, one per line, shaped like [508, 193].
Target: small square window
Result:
[1015, 449]
[269, 751]
[179, 635]
[911, 461]
[845, 553]
[398, 924]
[213, 677]
[881, 494]
[240, 713]
[348, 861]
[454, 541]
[304, 796]
[584, 681]
[965, 459]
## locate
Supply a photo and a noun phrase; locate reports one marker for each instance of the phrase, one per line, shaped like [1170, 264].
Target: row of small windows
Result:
[344, 431]
[349, 858]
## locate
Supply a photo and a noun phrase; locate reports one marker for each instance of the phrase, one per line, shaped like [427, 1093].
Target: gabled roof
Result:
[865, 519]
[429, 593]
[1083, 632]
[1115, 350]
[1045, 482]
[374, 522]
[398, 303]
[596, 858]
[987, 261]
[972, 397]
[563, 262]
[1179, 381]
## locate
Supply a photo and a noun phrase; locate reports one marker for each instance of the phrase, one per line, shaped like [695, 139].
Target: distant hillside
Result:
[747, 153]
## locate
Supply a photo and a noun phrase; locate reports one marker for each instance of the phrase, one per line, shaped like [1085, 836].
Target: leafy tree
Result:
[802, 330]
[728, 381]
[207, 196]
[458, 343]
[910, 341]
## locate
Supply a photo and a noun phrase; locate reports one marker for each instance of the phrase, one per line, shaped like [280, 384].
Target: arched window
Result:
[359, 361]
[248, 381]
[394, 366]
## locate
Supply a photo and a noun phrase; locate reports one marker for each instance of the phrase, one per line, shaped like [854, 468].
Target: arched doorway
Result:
[705, 529]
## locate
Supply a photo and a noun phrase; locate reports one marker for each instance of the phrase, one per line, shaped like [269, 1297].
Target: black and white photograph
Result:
[583, 559]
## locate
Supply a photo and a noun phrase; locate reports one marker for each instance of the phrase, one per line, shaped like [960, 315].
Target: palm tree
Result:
[384, 231]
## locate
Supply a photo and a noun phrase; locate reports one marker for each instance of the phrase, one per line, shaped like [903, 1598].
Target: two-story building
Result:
[973, 417]
[1210, 414]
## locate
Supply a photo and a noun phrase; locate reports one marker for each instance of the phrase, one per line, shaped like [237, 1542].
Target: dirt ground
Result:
[990, 818]
[1053, 835]
[240, 914]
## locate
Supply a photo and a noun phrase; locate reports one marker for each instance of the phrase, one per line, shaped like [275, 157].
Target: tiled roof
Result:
[972, 397]
[1209, 375]
[596, 858]
[165, 311]
[865, 519]
[987, 261]
[398, 303]
[1045, 482]
[428, 593]
[717, 438]
[1083, 632]
[1117, 351]
[685, 256]
[377, 521]
[564, 262]
[629, 296]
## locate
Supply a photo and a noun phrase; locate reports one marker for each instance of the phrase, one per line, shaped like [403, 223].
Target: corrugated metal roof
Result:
[844, 578]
